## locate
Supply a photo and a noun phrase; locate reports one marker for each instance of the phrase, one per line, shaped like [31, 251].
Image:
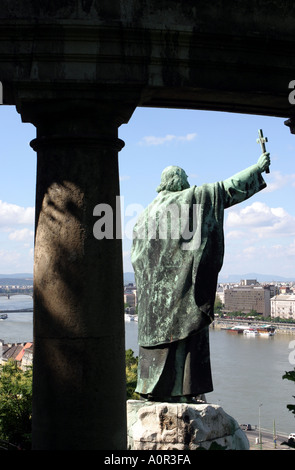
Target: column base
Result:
[182, 426]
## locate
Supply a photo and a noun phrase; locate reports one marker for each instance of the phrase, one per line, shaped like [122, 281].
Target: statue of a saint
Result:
[177, 253]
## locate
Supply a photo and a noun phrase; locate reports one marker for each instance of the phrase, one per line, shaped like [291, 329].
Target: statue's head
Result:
[173, 178]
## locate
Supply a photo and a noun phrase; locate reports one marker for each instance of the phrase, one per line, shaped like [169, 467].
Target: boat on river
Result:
[3, 316]
[235, 330]
[266, 330]
[130, 317]
[261, 330]
[250, 332]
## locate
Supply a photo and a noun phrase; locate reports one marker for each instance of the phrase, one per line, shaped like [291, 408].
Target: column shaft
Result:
[79, 389]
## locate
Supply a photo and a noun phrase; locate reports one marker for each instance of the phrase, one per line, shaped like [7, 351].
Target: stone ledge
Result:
[182, 426]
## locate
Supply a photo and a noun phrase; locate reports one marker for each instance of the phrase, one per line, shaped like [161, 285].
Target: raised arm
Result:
[246, 183]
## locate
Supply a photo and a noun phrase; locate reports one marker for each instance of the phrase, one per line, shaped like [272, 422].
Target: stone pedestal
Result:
[182, 426]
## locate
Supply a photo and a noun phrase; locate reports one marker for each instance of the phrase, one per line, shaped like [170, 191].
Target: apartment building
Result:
[283, 306]
[246, 299]
[130, 295]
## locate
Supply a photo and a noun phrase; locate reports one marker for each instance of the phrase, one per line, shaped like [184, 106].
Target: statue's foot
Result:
[198, 400]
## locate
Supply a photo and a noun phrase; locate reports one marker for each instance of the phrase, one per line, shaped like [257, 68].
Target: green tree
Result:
[290, 376]
[217, 304]
[15, 405]
[131, 374]
[16, 400]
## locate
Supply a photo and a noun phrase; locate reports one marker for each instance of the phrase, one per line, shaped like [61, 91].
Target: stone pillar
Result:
[79, 390]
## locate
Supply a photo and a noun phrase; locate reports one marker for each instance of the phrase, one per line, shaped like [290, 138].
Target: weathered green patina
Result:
[177, 253]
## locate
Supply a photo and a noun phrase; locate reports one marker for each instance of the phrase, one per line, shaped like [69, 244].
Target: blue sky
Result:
[209, 146]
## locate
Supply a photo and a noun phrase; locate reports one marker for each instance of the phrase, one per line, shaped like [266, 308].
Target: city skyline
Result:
[209, 146]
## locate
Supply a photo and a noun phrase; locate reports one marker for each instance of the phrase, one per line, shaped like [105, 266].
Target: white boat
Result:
[3, 316]
[266, 333]
[266, 330]
[250, 332]
[129, 317]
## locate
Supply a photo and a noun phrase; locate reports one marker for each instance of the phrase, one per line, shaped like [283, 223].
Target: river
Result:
[18, 327]
[247, 371]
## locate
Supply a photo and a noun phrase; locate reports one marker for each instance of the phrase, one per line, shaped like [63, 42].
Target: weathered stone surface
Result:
[227, 56]
[79, 343]
[182, 426]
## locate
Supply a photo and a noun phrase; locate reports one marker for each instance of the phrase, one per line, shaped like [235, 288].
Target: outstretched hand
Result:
[263, 161]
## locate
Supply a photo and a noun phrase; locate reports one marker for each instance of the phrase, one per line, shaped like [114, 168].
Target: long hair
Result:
[173, 178]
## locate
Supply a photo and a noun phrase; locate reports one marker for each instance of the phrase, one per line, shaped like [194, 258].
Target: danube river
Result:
[18, 327]
[247, 371]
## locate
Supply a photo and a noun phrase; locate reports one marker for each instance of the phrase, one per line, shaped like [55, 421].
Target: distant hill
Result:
[129, 277]
[257, 276]
[19, 279]
[27, 278]
[18, 276]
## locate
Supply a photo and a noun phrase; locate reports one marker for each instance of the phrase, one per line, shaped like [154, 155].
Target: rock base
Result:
[182, 426]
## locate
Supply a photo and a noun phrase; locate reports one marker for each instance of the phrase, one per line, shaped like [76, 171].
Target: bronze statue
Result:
[177, 253]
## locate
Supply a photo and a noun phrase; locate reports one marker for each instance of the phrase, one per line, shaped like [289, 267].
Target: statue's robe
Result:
[176, 273]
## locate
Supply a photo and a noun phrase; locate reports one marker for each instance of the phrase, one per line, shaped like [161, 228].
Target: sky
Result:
[209, 146]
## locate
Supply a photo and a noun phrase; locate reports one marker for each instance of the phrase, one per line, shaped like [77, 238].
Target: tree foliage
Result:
[217, 305]
[16, 400]
[290, 376]
[15, 405]
[131, 374]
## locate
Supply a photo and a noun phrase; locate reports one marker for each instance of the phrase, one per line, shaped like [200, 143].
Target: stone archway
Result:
[77, 70]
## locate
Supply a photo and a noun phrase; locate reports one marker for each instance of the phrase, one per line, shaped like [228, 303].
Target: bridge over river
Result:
[9, 294]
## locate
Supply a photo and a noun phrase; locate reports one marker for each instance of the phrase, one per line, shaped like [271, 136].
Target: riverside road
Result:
[267, 441]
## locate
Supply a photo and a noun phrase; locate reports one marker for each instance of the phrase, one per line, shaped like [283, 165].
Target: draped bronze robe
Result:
[176, 274]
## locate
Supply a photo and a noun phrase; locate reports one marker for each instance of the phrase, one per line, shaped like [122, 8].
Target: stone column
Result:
[79, 390]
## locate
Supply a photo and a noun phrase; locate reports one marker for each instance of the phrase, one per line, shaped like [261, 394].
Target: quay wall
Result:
[281, 328]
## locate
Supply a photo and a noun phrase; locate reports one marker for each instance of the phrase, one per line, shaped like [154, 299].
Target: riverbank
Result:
[280, 328]
[267, 440]
[17, 310]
